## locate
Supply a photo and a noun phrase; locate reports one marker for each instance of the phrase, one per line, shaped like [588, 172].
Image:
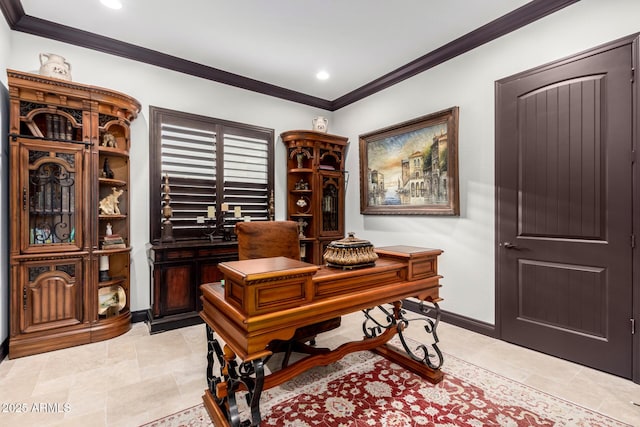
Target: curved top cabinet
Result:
[315, 188]
[69, 206]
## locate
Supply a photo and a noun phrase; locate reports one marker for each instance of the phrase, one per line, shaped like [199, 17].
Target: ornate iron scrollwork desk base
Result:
[249, 376]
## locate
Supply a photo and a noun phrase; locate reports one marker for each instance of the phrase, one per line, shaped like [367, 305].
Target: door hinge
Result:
[633, 241]
[24, 298]
[633, 326]
[633, 75]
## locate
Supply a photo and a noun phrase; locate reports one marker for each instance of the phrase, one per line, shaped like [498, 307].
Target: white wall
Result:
[5, 48]
[162, 88]
[5, 37]
[467, 81]
[468, 263]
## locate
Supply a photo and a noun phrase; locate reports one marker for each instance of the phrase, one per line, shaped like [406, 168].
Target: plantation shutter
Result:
[209, 162]
[246, 175]
[189, 159]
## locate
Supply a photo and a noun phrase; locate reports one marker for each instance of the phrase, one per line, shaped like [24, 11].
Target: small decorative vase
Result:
[320, 124]
[52, 65]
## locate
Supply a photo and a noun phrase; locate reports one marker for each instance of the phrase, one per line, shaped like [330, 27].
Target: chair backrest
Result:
[265, 239]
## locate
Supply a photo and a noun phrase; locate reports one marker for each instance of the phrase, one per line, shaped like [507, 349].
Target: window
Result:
[209, 162]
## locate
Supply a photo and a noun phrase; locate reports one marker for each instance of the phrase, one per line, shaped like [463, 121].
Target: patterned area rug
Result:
[367, 390]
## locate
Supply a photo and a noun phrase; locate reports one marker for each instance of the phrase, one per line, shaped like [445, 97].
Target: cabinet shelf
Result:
[112, 216]
[15, 136]
[113, 281]
[112, 251]
[301, 170]
[112, 182]
[113, 151]
[51, 212]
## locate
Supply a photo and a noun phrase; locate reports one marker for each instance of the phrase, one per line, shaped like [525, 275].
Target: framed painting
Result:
[411, 168]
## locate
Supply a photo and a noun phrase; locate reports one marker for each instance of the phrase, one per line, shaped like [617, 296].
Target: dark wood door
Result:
[564, 209]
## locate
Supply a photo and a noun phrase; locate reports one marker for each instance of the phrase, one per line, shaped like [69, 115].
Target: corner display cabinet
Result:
[69, 205]
[315, 189]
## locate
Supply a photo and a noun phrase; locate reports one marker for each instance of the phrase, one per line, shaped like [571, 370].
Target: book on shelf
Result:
[49, 124]
[113, 241]
[116, 246]
[56, 127]
[113, 238]
[69, 130]
[326, 167]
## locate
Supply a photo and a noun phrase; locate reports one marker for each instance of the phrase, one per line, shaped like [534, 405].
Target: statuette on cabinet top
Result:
[52, 65]
[320, 124]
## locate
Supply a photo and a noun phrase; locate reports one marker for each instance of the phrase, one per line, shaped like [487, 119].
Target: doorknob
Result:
[508, 245]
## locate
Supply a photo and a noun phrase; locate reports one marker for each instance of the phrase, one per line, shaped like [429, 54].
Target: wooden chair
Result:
[265, 239]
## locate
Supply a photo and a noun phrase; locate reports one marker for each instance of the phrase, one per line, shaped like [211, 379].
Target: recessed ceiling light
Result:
[112, 4]
[322, 75]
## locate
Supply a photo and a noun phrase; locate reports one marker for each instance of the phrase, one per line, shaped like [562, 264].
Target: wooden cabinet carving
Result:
[52, 294]
[69, 148]
[315, 188]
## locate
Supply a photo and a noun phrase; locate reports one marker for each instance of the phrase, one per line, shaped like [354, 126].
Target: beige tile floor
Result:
[137, 377]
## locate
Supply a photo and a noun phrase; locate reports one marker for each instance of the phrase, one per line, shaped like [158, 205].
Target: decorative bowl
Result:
[350, 252]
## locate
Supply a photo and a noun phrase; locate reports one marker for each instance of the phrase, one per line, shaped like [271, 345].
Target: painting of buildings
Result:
[409, 169]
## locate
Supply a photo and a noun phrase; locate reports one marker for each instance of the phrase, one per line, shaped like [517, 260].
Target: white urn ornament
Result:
[52, 65]
[320, 124]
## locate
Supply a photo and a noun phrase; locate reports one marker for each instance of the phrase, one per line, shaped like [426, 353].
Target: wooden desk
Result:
[267, 299]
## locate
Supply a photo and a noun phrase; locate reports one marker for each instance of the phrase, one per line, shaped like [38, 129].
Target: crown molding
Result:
[530, 12]
[51, 30]
[12, 11]
[512, 21]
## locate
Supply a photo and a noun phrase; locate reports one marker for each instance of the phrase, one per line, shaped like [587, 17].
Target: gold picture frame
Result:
[399, 174]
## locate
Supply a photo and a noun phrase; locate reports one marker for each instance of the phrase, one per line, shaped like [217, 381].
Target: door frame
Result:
[634, 41]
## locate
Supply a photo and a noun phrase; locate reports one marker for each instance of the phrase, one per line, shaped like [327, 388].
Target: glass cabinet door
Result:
[51, 197]
[331, 205]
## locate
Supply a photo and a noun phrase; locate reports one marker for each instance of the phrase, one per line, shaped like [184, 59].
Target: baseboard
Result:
[4, 349]
[457, 320]
[175, 321]
[138, 316]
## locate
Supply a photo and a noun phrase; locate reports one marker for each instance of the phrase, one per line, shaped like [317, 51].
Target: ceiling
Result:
[277, 46]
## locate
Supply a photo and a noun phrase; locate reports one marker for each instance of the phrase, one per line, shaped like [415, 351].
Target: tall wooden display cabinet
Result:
[69, 154]
[315, 188]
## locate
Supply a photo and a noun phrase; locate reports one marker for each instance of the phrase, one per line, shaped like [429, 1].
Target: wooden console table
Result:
[177, 271]
[267, 299]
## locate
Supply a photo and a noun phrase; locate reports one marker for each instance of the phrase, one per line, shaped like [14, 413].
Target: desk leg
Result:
[425, 359]
[220, 396]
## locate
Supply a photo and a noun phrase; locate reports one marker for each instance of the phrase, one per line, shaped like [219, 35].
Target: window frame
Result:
[158, 116]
